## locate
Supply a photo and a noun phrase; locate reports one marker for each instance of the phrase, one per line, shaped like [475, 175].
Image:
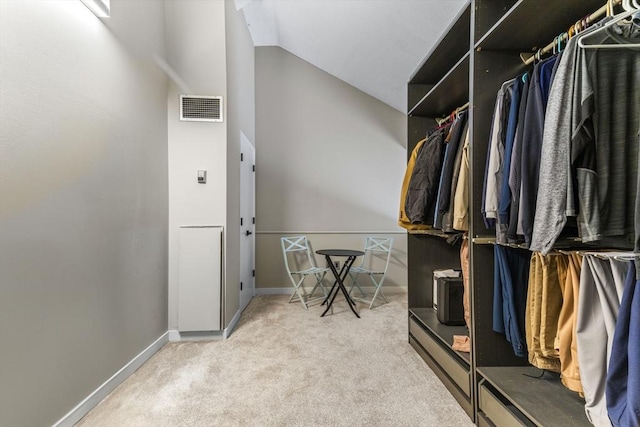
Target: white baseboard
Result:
[108, 386]
[274, 291]
[177, 336]
[174, 335]
[232, 325]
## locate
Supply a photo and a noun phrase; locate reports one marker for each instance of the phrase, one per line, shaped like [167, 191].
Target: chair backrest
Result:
[377, 253]
[297, 253]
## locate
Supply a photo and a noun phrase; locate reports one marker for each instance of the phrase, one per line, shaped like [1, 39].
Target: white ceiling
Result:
[374, 45]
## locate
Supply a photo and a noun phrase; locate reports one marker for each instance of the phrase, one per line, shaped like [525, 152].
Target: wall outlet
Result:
[336, 264]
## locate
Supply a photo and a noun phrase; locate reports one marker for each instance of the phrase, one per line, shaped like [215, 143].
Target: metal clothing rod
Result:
[453, 113]
[550, 47]
[466, 105]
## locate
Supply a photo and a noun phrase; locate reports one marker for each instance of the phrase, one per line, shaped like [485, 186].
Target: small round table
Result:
[351, 256]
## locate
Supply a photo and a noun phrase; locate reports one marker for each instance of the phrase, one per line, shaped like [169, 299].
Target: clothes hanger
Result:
[582, 40]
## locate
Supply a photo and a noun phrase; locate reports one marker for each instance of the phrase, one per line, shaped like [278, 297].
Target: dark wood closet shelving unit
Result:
[469, 63]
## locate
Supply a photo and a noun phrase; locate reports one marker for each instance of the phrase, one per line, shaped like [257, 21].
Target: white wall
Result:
[240, 119]
[330, 162]
[195, 33]
[83, 200]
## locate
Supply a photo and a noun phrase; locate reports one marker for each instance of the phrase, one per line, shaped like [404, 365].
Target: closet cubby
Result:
[480, 51]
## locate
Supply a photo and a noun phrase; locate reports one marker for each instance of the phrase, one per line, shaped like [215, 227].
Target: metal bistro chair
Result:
[300, 263]
[375, 262]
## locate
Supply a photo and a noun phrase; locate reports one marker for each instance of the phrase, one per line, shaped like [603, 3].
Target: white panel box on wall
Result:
[200, 279]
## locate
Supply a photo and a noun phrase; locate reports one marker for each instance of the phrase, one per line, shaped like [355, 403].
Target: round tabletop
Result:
[339, 252]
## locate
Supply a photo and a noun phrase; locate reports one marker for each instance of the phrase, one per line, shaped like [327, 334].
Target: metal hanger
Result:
[616, 19]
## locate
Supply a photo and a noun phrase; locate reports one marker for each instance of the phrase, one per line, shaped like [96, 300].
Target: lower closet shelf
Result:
[432, 341]
[429, 319]
[543, 401]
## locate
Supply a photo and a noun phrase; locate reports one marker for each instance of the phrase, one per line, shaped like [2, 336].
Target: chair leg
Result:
[319, 279]
[297, 291]
[354, 283]
[378, 285]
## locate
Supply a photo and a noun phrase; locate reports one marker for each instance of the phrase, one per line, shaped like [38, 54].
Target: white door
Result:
[247, 222]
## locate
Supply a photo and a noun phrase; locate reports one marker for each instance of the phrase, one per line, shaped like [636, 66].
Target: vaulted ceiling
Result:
[374, 45]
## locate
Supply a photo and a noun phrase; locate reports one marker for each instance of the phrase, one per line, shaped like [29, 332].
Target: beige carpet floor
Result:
[286, 366]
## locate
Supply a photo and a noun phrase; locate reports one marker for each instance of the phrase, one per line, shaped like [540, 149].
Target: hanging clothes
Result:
[591, 142]
[623, 375]
[461, 197]
[547, 274]
[495, 155]
[533, 128]
[448, 170]
[423, 184]
[566, 340]
[511, 268]
[601, 287]
[403, 219]
[606, 120]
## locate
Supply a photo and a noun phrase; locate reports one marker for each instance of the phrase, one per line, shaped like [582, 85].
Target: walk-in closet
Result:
[492, 42]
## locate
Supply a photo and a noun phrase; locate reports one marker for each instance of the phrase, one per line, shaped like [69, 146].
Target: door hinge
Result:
[242, 157]
[253, 273]
[254, 219]
[254, 168]
[240, 285]
[241, 221]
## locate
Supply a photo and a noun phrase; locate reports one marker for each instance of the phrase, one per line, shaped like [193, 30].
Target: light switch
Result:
[202, 177]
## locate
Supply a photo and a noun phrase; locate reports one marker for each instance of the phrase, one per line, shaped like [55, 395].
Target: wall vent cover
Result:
[200, 108]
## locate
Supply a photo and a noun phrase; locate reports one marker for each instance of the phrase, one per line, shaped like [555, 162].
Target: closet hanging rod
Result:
[453, 113]
[549, 48]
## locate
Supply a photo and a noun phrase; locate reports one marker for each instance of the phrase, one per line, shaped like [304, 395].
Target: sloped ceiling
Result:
[374, 45]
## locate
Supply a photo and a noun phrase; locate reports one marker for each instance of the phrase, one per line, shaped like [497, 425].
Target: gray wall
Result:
[330, 162]
[240, 119]
[83, 200]
[195, 32]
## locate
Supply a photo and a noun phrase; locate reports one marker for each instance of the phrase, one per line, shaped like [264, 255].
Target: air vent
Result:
[200, 108]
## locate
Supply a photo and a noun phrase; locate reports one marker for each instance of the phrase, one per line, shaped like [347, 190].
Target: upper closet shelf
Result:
[450, 92]
[434, 232]
[531, 24]
[446, 51]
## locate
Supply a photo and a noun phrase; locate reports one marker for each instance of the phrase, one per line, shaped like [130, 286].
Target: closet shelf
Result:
[544, 400]
[534, 23]
[434, 232]
[448, 94]
[429, 319]
[561, 243]
[568, 243]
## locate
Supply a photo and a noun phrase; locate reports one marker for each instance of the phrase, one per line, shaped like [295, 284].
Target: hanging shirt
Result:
[604, 145]
[504, 195]
[461, 198]
[493, 171]
[533, 128]
[444, 188]
[515, 172]
[545, 77]
[448, 217]
[551, 205]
